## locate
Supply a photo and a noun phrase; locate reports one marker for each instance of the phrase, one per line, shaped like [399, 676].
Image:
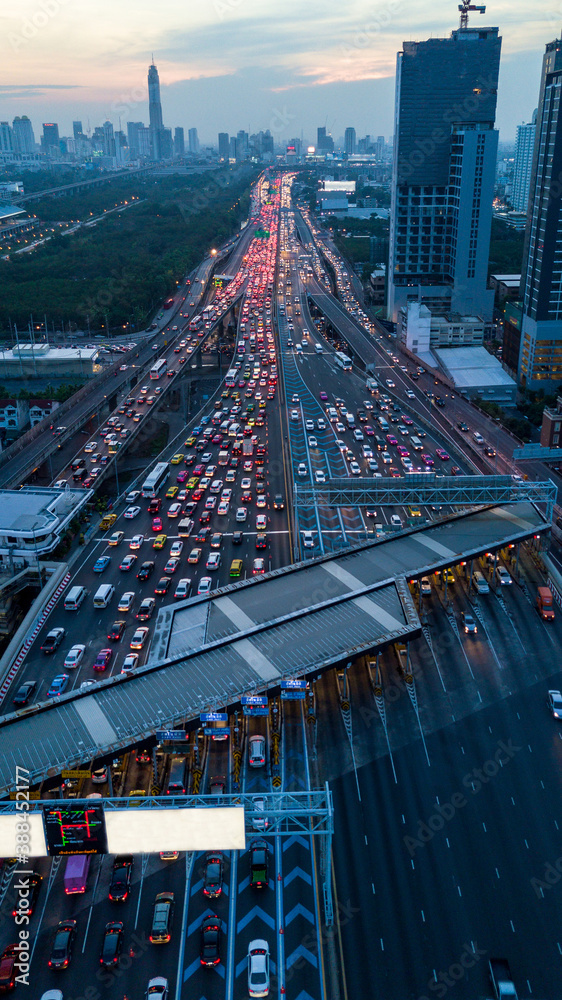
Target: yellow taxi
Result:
[159, 541]
[177, 459]
[171, 492]
[192, 483]
[190, 442]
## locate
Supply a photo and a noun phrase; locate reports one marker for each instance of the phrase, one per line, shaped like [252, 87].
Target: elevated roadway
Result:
[209, 651]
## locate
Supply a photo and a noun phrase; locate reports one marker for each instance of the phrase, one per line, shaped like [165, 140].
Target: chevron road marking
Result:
[299, 910]
[297, 873]
[255, 912]
[301, 952]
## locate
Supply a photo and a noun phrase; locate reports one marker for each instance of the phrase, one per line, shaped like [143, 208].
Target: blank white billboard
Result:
[148, 831]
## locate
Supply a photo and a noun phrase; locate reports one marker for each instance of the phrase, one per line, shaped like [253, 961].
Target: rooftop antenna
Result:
[464, 9]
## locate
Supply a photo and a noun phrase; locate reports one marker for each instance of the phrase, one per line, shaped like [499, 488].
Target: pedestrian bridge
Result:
[247, 638]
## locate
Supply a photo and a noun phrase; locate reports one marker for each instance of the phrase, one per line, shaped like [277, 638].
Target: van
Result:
[234, 430]
[350, 419]
[76, 873]
[480, 583]
[223, 458]
[185, 527]
[224, 427]
[332, 414]
[74, 598]
[177, 779]
[103, 595]
[478, 438]
[545, 604]
[318, 348]
[416, 444]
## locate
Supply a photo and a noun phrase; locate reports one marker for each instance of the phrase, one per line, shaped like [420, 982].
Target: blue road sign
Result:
[223, 731]
[255, 710]
[254, 699]
[292, 695]
[171, 734]
[293, 682]
[214, 717]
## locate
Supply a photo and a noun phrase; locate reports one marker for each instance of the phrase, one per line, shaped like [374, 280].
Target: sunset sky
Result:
[251, 64]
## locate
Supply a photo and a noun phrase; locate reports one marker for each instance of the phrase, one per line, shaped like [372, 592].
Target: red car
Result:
[157, 524]
[197, 470]
[442, 454]
[197, 494]
[103, 659]
[216, 439]
[182, 476]
[8, 967]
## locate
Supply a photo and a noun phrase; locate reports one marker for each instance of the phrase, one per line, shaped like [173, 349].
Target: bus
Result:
[343, 361]
[154, 481]
[230, 380]
[160, 368]
[208, 315]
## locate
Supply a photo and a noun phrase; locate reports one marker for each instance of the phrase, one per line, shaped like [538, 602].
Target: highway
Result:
[445, 790]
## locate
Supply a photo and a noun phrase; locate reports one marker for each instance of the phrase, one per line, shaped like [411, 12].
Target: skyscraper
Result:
[224, 145]
[154, 111]
[24, 139]
[193, 139]
[50, 140]
[350, 141]
[443, 172]
[540, 357]
[6, 138]
[179, 142]
[77, 130]
[524, 145]
[133, 138]
[108, 139]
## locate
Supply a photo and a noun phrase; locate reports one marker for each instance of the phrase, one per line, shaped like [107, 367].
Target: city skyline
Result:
[287, 74]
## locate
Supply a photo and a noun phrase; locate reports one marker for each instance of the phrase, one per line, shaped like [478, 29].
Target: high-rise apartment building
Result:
[350, 141]
[108, 139]
[224, 145]
[193, 140]
[324, 142]
[6, 138]
[50, 140]
[133, 138]
[524, 145]
[77, 131]
[24, 139]
[179, 142]
[443, 172]
[540, 357]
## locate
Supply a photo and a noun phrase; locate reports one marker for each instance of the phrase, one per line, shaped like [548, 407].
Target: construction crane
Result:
[464, 8]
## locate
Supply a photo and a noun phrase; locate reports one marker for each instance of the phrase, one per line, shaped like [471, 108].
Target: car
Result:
[463, 427]
[116, 538]
[172, 565]
[116, 631]
[162, 917]
[302, 469]
[489, 451]
[425, 586]
[555, 703]
[139, 638]
[258, 968]
[74, 656]
[101, 564]
[395, 521]
[260, 821]
[130, 663]
[205, 585]
[146, 609]
[23, 693]
[354, 468]
[469, 623]
[261, 522]
[312, 442]
[176, 459]
[442, 454]
[172, 491]
[127, 563]
[58, 685]
[223, 507]
[136, 542]
[213, 874]
[259, 864]
[210, 938]
[237, 537]
[131, 512]
[61, 948]
[323, 396]
[103, 659]
[320, 476]
[174, 510]
[241, 514]
[502, 576]
[111, 944]
[213, 561]
[278, 502]
[455, 470]
[121, 878]
[390, 383]
[52, 640]
[159, 541]
[126, 601]
[157, 989]
[258, 566]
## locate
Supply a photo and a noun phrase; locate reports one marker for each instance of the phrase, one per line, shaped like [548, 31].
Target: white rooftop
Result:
[43, 352]
[472, 366]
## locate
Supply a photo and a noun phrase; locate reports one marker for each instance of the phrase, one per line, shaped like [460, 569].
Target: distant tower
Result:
[350, 141]
[154, 110]
[193, 141]
[524, 146]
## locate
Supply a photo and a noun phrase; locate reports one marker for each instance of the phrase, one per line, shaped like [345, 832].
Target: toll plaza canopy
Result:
[247, 638]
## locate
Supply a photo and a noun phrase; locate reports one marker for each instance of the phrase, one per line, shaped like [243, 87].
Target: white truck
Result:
[372, 384]
[500, 974]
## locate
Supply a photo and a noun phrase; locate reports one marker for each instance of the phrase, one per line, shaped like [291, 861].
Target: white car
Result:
[410, 394]
[425, 586]
[130, 663]
[74, 656]
[308, 540]
[321, 424]
[395, 521]
[213, 561]
[126, 601]
[246, 484]
[131, 512]
[223, 507]
[176, 549]
[174, 510]
[340, 428]
[312, 442]
[309, 424]
[320, 476]
[390, 383]
[136, 541]
[386, 458]
[241, 514]
[205, 585]
[555, 703]
[502, 576]
[261, 522]
[90, 447]
[294, 414]
[157, 989]
[226, 494]
[132, 496]
[258, 968]
[259, 822]
[354, 469]
[302, 469]
[373, 465]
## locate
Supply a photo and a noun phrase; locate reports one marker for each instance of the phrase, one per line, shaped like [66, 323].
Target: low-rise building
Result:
[420, 330]
[551, 429]
[14, 415]
[477, 374]
[41, 408]
[43, 361]
[32, 521]
[506, 286]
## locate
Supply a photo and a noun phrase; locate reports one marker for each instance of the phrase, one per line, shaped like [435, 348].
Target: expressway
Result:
[465, 744]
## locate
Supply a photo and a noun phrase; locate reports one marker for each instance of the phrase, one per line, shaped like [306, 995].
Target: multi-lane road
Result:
[446, 839]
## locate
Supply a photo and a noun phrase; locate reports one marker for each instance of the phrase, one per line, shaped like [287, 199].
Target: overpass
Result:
[250, 637]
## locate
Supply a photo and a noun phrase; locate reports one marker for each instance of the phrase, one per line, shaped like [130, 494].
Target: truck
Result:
[500, 974]
[372, 385]
[247, 446]
[545, 604]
